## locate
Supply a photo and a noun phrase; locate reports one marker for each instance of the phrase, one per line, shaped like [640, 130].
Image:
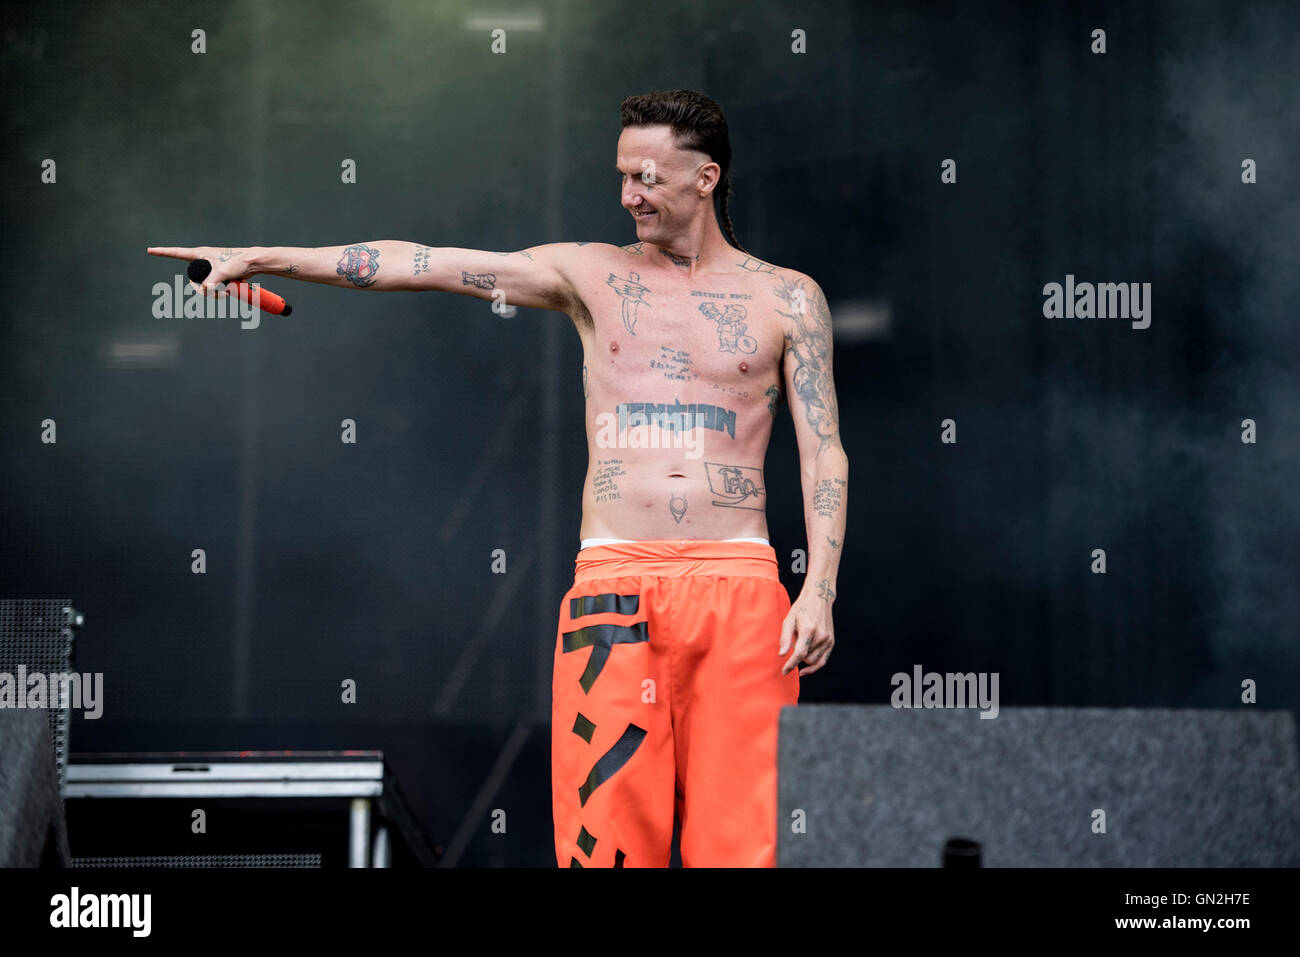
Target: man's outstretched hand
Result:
[228, 264]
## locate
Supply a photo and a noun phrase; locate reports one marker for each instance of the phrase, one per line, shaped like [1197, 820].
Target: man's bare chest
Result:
[717, 331]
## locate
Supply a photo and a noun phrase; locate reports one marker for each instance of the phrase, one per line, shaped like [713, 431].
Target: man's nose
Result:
[631, 197]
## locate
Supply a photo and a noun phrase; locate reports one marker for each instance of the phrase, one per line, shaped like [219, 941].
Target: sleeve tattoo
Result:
[809, 345]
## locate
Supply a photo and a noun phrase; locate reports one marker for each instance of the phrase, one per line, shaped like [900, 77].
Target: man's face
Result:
[660, 183]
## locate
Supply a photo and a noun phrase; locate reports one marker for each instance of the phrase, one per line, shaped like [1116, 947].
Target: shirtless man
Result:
[677, 644]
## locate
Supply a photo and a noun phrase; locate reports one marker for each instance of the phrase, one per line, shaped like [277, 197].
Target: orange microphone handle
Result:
[267, 301]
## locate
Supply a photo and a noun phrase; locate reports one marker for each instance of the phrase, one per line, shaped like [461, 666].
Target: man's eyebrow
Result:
[658, 173]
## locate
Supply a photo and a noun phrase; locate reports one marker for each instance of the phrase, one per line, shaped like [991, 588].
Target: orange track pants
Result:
[666, 693]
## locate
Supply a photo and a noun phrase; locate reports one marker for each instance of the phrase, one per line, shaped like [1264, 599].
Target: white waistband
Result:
[592, 542]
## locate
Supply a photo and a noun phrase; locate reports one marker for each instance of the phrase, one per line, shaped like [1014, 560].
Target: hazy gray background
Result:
[372, 561]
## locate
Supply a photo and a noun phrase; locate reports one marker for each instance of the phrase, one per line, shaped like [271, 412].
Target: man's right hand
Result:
[228, 264]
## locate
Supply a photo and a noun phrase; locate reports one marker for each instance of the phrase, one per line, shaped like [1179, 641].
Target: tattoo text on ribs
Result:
[604, 482]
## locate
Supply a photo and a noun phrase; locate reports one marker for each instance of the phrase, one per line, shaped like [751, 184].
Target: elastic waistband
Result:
[670, 558]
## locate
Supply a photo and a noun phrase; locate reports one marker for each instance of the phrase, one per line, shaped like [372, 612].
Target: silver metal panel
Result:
[232, 771]
[223, 789]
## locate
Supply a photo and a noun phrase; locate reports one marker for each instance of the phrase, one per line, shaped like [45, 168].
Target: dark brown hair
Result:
[697, 124]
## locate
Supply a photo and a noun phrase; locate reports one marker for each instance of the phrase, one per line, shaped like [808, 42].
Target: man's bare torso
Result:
[682, 378]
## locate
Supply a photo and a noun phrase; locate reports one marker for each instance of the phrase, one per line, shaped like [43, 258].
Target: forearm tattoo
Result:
[824, 591]
[809, 345]
[482, 280]
[359, 264]
[828, 496]
[421, 260]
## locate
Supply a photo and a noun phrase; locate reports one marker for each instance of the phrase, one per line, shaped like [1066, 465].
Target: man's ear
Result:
[706, 178]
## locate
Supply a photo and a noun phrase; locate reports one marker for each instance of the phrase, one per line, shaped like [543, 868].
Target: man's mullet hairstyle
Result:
[697, 124]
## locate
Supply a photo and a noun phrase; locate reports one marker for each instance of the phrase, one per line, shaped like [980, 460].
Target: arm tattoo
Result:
[483, 280]
[809, 343]
[828, 496]
[824, 590]
[358, 265]
[421, 260]
[835, 546]
[584, 381]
